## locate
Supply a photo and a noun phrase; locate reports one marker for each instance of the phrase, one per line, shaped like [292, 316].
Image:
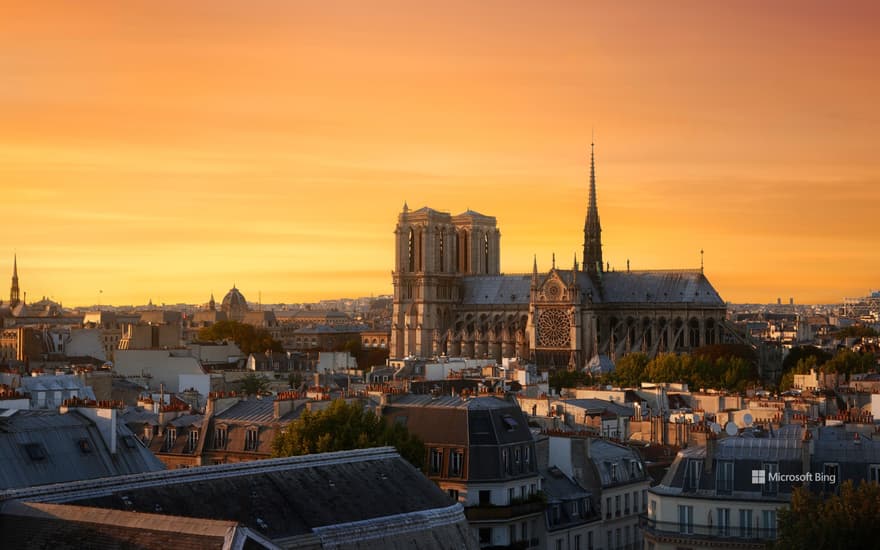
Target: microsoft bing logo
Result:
[759, 477]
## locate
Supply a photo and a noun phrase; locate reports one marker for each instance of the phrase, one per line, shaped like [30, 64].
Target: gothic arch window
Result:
[710, 331]
[647, 335]
[693, 332]
[418, 248]
[554, 328]
[442, 251]
[486, 252]
[411, 252]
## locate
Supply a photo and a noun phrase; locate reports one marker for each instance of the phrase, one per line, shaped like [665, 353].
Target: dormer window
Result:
[193, 441]
[614, 474]
[170, 438]
[220, 437]
[251, 439]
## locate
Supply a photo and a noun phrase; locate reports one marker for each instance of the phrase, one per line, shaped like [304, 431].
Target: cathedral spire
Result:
[14, 291]
[592, 228]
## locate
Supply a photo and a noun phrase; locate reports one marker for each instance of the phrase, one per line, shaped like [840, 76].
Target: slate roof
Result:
[496, 289]
[349, 495]
[255, 411]
[38, 525]
[606, 454]
[41, 447]
[485, 425]
[660, 287]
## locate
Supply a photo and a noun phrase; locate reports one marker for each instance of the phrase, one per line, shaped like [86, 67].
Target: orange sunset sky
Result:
[164, 150]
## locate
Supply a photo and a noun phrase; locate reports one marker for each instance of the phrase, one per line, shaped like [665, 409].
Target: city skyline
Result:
[169, 151]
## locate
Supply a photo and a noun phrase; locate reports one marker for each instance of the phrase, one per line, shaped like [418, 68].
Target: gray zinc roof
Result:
[497, 289]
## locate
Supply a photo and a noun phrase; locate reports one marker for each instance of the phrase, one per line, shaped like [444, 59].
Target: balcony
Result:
[669, 530]
[499, 513]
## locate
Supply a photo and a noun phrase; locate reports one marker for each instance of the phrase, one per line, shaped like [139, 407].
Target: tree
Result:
[856, 331]
[563, 378]
[253, 384]
[849, 362]
[801, 352]
[343, 426]
[847, 520]
[631, 370]
[248, 337]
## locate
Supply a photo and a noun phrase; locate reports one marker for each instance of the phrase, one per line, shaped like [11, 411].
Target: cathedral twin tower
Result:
[450, 297]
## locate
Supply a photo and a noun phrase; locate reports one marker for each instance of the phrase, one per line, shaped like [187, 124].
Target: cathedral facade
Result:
[450, 298]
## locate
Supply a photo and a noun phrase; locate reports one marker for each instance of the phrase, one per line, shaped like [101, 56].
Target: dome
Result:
[234, 304]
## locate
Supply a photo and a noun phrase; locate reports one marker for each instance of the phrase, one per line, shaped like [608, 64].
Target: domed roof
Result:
[234, 299]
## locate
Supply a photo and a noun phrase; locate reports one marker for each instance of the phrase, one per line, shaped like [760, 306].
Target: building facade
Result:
[451, 298]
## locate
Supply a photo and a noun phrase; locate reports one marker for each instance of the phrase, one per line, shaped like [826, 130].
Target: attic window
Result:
[509, 423]
[84, 445]
[129, 441]
[35, 451]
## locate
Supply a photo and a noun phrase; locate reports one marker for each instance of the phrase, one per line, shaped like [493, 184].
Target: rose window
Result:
[554, 329]
[552, 291]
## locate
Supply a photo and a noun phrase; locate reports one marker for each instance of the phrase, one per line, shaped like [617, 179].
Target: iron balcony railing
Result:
[671, 528]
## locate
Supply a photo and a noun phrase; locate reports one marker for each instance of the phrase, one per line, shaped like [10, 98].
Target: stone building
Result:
[451, 298]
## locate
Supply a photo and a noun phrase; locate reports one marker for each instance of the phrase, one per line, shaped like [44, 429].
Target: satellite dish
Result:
[731, 428]
[747, 418]
[715, 427]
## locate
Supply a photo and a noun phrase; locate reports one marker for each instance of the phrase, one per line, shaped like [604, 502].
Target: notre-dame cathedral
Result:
[451, 298]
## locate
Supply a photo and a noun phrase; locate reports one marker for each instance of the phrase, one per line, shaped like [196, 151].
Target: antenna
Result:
[701, 260]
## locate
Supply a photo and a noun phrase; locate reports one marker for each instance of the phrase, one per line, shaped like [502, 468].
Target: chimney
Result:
[281, 406]
[807, 446]
[711, 447]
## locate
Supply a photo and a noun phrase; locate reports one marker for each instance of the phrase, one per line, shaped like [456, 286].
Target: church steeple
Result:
[592, 228]
[14, 292]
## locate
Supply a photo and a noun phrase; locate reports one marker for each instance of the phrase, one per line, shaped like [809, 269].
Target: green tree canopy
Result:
[801, 352]
[342, 426]
[248, 337]
[848, 362]
[631, 370]
[847, 520]
[856, 331]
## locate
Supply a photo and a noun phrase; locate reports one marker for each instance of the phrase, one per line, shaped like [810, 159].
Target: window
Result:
[724, 478]
[558, 544]
[511, 533]
[220, 437]
[456, 459]
[193, 441]
[771, 481]
[453, 494]
[694, 470]
[644, 498]
[517, 457]
[614, 473]
[251, 439]
[436, 461]
[768, 523]
[505, 459]
[608, 507]
[527, 456]
[831, 470]
[626, 503]
[485, 498]
[485, 535]
[533, 489]
[685, 519]
[511, 494]
[524, 531]
[723, 516]
[874, 473]
[636, 501]
[35, 451]
[170, 438]
[510, 423]
[745, 523]
[85, 446]
[617, 505]
[577, 542]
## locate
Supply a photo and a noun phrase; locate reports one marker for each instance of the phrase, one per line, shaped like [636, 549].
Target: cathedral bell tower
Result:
[592, 263]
